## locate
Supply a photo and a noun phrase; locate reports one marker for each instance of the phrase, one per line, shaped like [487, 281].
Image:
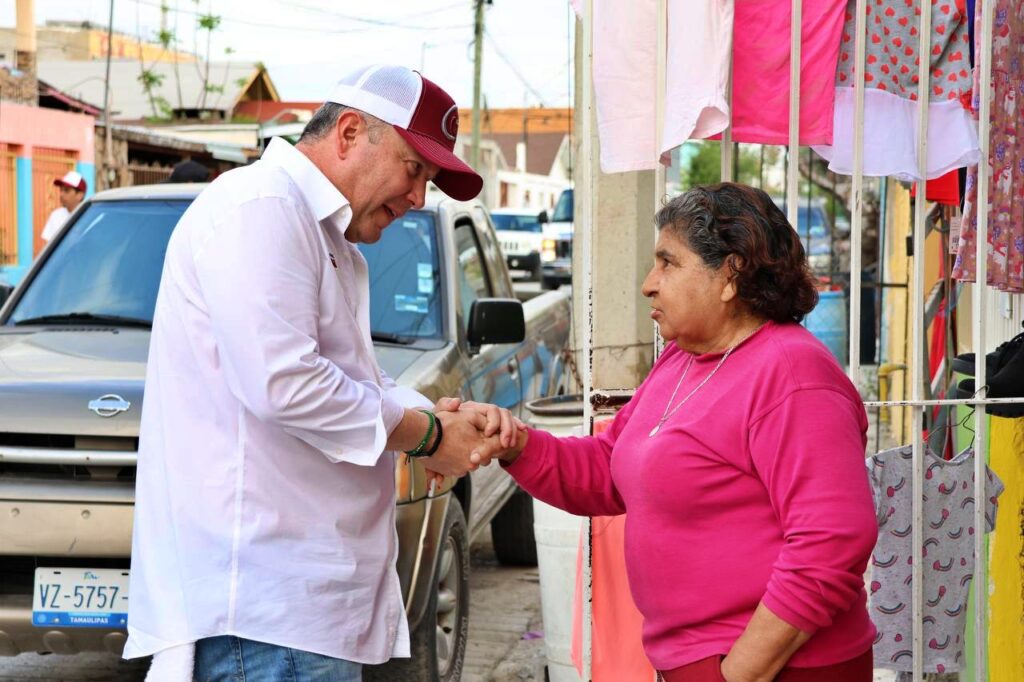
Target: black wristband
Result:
[437, 442]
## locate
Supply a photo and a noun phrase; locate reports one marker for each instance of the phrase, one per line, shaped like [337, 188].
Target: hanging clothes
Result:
[1005, 163]
[761, 50]
[704, 39]
[625, 77]
[948, 555]
[890, 97]
[944, 189]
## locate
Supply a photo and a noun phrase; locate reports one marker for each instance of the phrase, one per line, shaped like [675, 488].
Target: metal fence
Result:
[140, 174]
[920, 402]
[8, 205]
[47, 165]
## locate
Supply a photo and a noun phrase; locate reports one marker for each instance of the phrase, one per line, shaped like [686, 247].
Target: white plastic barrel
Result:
[557, 533]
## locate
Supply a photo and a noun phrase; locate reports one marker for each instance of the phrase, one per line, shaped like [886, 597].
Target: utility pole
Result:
[478, 53]
[108, 153]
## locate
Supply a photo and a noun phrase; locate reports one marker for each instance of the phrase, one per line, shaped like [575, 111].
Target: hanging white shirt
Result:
[698, 57]
[265, 507]
[53, 224]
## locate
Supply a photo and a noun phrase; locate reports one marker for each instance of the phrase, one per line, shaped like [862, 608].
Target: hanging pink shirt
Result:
[755, 490]
[761, 70]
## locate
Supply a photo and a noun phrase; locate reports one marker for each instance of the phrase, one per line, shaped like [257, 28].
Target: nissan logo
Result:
[109, 405]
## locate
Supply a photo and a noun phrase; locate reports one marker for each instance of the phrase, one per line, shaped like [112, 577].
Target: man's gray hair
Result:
[326, 117]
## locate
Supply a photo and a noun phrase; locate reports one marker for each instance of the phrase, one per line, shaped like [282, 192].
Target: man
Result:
[72, 192]
[189, 171]
[265, 504]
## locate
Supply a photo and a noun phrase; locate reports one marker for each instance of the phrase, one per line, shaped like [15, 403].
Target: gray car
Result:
[74, 337]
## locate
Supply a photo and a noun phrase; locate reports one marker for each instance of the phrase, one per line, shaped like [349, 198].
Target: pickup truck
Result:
[74, 338]
[556, 247]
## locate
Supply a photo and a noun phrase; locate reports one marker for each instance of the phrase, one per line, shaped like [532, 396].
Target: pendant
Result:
[654, 431]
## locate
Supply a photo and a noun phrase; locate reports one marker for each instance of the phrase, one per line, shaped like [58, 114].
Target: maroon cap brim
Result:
[60, 183]
[455, 178]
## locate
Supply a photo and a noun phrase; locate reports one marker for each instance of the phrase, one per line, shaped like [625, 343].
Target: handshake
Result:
[471, 435]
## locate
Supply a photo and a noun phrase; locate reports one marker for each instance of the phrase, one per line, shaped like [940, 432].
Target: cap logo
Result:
[450, 123]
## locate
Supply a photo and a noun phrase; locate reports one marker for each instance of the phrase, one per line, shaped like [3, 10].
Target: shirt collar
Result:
[322, 197]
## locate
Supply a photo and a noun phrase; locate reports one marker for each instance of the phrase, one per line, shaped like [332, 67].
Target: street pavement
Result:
[504, 622]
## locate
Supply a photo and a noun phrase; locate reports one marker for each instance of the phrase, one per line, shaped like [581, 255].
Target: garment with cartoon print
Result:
[1005, 162]
[891, 86]
[948, 555]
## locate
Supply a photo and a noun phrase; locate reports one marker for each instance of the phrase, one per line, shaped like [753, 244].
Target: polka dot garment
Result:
[891, 79]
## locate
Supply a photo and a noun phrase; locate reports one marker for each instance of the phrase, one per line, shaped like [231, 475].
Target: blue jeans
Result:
[233, 659]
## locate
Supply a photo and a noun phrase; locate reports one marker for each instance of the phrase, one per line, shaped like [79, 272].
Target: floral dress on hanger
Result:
[1005, 161]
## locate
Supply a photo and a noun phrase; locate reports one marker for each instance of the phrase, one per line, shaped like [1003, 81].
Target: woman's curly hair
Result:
[741, 227]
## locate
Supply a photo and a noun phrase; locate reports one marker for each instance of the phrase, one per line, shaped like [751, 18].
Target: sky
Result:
[308, 44]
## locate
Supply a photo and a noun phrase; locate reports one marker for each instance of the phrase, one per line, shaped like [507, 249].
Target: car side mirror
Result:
[495, 320]
[542, 217]
[5, 293]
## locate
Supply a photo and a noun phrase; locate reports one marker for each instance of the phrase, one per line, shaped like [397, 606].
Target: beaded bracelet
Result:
[418, 450]
[437, 443]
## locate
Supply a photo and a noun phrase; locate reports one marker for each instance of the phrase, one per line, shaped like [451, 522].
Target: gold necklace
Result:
[668, 413]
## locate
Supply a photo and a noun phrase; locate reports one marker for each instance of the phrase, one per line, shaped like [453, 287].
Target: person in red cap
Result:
[264, 529]
[72, 191]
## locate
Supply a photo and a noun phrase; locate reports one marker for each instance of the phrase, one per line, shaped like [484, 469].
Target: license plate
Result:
[80, 598]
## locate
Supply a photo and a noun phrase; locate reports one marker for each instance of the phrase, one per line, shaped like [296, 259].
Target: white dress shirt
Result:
[265, 507]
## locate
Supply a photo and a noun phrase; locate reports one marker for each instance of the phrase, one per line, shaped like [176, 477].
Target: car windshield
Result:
[516, 222]
[106, 268]
[563, 209]
[405, 301]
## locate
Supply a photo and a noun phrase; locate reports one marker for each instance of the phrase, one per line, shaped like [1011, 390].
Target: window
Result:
[109, 263]
[472, 273]
[405, 300]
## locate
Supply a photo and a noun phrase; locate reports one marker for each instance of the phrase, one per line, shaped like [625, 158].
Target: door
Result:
[494, 372]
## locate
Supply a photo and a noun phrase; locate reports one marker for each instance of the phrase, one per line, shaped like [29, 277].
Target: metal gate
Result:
[47, 165]
[8, 205]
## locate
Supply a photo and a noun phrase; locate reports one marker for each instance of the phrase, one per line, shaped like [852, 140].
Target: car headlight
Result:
[547, 250]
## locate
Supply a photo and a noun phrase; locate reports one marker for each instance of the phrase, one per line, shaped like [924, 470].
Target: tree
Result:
[704, 166]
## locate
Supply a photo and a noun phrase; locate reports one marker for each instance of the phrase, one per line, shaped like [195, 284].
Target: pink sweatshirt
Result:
[754, 490]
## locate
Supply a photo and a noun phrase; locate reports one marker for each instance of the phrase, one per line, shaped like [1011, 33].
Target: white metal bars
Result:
[857, 219]
[585, 194]
[917, 341]
[793, 167]
[984, 60]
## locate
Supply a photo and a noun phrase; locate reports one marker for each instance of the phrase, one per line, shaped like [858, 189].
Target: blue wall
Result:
[88, 171]
[12, 274]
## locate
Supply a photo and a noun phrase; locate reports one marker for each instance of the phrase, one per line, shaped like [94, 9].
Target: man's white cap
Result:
[420, 111]
[71, 179]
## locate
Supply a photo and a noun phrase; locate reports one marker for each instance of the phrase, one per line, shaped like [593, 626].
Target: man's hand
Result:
[499, 419]
[463, 447]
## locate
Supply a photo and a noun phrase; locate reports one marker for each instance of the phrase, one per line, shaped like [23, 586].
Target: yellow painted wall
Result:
[897, 318]
[1006, 563]
[129, 47]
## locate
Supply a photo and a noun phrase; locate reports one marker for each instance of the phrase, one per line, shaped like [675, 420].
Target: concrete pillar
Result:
[623, 248]
[25, 42]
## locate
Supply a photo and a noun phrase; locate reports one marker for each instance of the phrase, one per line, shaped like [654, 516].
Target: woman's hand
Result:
[499, 419]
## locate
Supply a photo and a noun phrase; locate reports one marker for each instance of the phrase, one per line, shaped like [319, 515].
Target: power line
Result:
[376, 22]
[381, 25]
[510, 65]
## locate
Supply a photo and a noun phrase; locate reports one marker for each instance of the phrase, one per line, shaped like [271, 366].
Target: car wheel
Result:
[438, 644]
[512, 532]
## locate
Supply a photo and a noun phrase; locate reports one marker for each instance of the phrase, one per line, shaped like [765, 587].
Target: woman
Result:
[740, 460]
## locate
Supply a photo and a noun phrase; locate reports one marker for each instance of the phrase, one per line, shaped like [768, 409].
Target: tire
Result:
[438, 644]
[512, 532]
